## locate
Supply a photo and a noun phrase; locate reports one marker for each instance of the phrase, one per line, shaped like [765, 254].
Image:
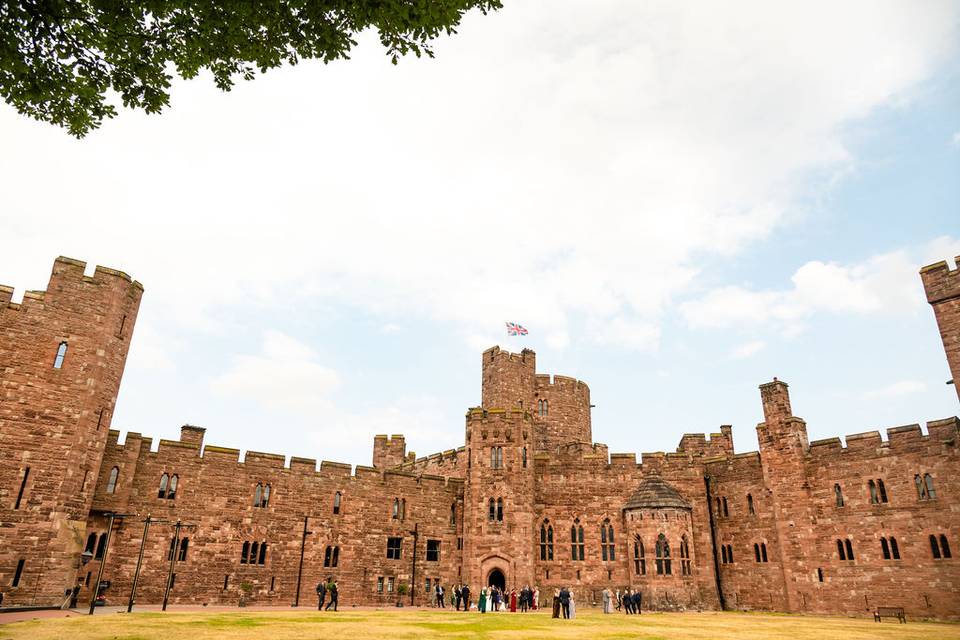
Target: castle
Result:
[797, 526]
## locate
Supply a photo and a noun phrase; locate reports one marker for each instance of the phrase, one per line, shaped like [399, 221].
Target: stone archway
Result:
[497, 579]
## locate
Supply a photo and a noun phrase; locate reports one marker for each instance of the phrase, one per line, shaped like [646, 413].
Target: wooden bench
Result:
[890, 612]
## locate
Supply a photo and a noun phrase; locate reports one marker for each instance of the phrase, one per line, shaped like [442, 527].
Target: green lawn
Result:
[417, 624]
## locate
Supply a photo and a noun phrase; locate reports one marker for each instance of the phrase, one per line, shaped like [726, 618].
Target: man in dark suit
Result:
[465, 596]
[637, 597]
[565, 602]
[628, 601]
[321, 594]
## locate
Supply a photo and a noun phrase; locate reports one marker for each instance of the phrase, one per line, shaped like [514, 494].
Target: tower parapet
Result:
[389, 451]
[559, 404]
[942, 286]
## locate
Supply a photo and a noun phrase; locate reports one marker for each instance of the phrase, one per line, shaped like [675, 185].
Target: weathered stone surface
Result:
[546, 475]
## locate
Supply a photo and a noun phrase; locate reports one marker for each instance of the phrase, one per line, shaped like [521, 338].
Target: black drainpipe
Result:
[713, 544]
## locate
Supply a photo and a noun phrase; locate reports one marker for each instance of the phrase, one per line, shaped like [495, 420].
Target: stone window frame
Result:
[577, 551]
[686, 567]
[61, 355]
[112, 480]
[940, 547]
[663, 562]
[838, 495]
[453, 514]
[433, 549]
[751, 507]
[394, 547]
[546, 541]
[639, 556]
[496, 457]
[607, 543]
[168, 486]
[845, 549]
[337, 501]
[889, 548]
[925, 488]
[261, 495]
[877, 491]
[331, 556]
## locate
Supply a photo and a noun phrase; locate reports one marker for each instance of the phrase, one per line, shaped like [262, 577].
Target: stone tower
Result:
[63, 352]
[560, 405]
[943, 293]
[499, 497]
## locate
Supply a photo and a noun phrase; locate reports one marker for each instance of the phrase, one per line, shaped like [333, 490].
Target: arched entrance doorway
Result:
[497, 579]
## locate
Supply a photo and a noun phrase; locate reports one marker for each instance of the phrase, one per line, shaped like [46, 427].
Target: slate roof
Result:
[655, 492]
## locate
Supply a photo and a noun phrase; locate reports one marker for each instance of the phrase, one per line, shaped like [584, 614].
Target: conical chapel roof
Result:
[655, 492]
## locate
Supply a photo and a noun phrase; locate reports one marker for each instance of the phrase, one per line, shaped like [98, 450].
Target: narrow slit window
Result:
[18, 573]
[61, 355]
[182, 557]
[172, 492]
[23, 487]
[337, 497]
[164, 481]
[112, 480]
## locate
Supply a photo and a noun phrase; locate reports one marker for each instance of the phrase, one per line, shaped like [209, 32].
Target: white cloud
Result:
[549, 166]
[895, 390]
[390, 328]
[639, 336]
[285, 375]
[885, 283]
[747, 349]
[956, 139]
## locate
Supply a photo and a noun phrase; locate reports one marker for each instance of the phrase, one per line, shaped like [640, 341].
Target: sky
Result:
[680, 201]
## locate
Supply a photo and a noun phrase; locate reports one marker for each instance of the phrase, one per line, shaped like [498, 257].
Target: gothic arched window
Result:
[663, 556]
[546, 541]
[607, 547]
[164, 481]
[576, 541]
[639, 557]
[685, 568]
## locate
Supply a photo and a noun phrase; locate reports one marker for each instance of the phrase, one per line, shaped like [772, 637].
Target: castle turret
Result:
[943, 293]
[64, 352]
[499, 497]
[559, 404]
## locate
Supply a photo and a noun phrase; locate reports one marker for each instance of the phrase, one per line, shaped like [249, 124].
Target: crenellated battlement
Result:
[558, 383]
[67, 278]
[901, 439]
[718, 444]
[940, 282]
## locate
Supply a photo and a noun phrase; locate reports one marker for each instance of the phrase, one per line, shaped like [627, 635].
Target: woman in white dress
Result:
[573, 608]
[536, 598]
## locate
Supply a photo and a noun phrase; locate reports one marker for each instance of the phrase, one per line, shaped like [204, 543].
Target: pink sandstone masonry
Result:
[529, 498]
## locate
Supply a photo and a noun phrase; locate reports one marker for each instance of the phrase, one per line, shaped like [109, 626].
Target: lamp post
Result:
[103, 560]
[413, 571]
[136, 573]
[303, 544]
[173, 560]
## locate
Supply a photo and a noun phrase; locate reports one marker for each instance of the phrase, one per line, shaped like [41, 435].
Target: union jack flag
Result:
[514, 329]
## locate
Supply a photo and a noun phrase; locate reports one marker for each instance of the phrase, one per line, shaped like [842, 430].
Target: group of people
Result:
[329, 588]
[564, 603]
[629, 601]
[491, 598]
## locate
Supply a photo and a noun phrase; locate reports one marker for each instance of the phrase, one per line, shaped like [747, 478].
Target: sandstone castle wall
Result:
[750, 531]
